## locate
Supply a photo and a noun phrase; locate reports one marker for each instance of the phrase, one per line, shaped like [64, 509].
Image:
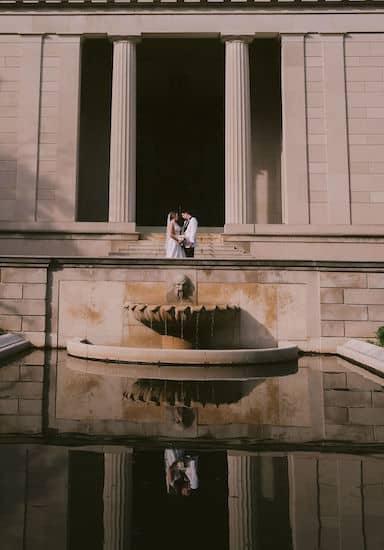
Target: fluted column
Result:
[117, 499]
[238, 165]
[122, 175]
[242, 501]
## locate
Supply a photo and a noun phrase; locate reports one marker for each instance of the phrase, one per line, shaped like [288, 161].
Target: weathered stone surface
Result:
[10, 290]
[334, 380]
[23, 275]
[22, 307]
[10, 322]
[361, 329]
[34, 291]
[357, 382]
[31, 373]
[363, 296]
[8, 406]
[34, 323]
[345, 398]
[332, 328]
[376, 280]
[349, 433]
[31, 407]
[336, 415]
[27, 390]
[331, 295]
[345, 280]
[20, 424]
[367, 416]
[342, 312]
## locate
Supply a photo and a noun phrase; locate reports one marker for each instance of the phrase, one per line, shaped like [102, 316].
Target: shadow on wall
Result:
[266, 129]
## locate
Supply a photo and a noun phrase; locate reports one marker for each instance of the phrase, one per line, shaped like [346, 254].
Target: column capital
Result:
[122, 38]
[245, 38]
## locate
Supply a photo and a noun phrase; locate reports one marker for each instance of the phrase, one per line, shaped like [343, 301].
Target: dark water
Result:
[96, 456]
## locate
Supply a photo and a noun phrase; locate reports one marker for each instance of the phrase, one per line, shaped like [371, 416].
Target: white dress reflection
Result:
[180, 472]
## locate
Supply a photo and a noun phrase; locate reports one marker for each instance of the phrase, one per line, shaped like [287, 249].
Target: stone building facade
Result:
[295, 150]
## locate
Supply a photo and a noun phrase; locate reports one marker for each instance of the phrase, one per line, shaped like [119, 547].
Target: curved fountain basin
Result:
[82, 348]
[186, 372]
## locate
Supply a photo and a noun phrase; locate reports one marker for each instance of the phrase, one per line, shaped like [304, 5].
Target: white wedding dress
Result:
[172, 247]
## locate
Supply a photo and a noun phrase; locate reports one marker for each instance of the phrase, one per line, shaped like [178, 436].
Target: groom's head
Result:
[186, 214]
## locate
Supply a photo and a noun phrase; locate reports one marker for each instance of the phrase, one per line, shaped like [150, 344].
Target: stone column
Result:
[238, 165]
[122, 178]
[294, 156]
[117, 499]
[242, 502]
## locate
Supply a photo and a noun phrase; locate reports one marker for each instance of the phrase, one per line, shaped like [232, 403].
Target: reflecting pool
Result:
[116, 457]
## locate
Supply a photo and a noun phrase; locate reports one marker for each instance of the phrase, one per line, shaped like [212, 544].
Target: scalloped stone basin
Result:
[82, 348]
[181, 319]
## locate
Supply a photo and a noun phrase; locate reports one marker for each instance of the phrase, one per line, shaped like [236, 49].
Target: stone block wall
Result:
[23, 301]
[352, 305]
[60, 96]
[10, 59]
[21, 394]
[364, 63]
[353, 405]
[39, 101]
[316, 131]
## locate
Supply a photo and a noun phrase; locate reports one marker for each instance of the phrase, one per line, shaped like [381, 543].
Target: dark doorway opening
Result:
[95, 128]
[264, 60]
[199, 521]
[180, 129]
[85, 500]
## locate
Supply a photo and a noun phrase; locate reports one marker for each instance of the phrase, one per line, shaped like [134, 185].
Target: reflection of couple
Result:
[181, 237]
[181, 472]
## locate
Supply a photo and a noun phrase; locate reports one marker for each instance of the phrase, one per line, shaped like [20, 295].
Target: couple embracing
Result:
[181, 235]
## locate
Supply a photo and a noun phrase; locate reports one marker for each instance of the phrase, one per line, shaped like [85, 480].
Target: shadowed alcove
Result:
[180, 129]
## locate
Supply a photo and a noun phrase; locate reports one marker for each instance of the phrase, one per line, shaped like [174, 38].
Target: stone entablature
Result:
[102, 4]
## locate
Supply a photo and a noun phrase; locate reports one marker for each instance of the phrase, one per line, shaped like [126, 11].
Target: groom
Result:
[189, 231]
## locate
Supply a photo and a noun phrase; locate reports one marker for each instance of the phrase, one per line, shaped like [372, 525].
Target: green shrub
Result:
[380, 335]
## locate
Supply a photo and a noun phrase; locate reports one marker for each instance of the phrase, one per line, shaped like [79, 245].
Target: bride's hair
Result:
[173, 215]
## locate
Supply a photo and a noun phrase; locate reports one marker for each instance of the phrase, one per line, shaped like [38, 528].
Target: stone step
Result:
[148, 249]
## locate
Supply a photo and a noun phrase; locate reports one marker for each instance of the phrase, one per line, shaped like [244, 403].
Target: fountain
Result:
[190, 333]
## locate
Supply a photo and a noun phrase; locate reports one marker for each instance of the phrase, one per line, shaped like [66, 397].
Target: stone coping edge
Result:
[57, 262]
[10, 344]
[79, 347]
[369, 356]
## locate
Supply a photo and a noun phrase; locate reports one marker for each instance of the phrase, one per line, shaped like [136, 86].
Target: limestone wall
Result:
[39, 92]
[364, 63]
[333, 104]
[23, 301]
[314, 309]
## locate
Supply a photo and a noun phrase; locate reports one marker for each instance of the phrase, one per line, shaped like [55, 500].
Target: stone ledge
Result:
[10, 344]
[365, 354]
[59, 261]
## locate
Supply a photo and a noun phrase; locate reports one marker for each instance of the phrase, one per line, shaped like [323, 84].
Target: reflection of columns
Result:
[117, 500]
[122, 179]
[242, 501]
[238, 166]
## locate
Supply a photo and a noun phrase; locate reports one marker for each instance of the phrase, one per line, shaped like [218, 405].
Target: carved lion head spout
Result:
[179, 285]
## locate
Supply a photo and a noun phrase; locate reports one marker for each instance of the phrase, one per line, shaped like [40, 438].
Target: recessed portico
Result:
[200, 117]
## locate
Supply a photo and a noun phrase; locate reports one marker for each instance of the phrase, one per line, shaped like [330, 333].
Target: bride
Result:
[173, 248]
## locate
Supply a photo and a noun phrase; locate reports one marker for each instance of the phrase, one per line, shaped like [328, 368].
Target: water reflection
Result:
[181, 475]
[116, 498]
[197, 435]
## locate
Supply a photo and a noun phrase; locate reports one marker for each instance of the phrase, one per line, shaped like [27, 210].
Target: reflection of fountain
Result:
[190, 334]
[197, 393]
